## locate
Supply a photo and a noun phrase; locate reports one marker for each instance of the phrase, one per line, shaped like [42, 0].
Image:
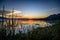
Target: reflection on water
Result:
[26, 25]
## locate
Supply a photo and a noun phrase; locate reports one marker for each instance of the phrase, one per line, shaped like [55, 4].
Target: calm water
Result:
[27, 25]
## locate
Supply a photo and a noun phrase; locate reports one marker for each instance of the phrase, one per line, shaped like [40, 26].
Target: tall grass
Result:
[46, 33]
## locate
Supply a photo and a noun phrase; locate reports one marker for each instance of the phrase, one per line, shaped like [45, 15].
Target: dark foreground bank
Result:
[46, 33]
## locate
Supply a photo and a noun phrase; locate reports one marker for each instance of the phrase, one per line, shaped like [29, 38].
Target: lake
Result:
[26, 25]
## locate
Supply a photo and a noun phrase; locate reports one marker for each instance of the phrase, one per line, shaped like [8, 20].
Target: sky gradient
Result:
[33, 8]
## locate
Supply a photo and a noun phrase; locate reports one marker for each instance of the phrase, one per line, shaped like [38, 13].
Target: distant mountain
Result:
[51, 17]
[54, 16]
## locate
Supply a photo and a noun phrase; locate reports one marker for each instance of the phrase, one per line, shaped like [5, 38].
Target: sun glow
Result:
[20, 14]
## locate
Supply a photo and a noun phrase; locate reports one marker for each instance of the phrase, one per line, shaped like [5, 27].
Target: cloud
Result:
[16, 12]
[54, 10]
[8, 14]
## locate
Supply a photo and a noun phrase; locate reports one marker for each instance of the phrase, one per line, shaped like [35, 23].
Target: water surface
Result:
[26, 25]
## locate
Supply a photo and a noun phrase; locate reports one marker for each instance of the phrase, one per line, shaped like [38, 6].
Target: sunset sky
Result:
[32, 8]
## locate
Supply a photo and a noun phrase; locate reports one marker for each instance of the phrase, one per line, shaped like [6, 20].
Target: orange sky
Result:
[19, 14]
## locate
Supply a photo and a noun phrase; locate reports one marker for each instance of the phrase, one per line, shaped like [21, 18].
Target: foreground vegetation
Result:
[46, 33]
